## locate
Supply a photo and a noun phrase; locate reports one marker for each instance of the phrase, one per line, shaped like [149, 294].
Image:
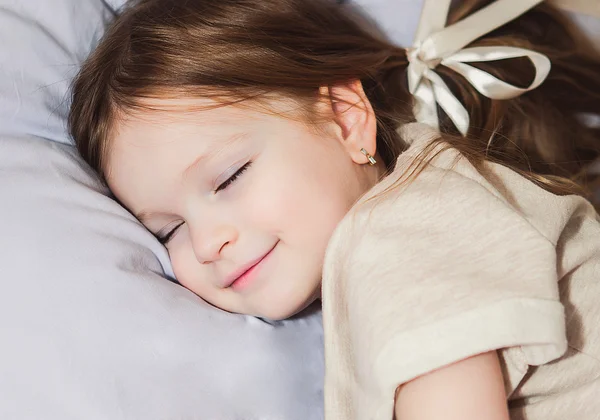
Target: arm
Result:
[471, 389]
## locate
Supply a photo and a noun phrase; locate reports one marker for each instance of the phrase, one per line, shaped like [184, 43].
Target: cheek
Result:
[188, 271]
[297, 199]
[182, 266]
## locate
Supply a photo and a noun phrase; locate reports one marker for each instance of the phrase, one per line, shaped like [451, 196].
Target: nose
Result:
[210, 243]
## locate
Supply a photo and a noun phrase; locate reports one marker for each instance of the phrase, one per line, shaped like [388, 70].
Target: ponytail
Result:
[544, 134]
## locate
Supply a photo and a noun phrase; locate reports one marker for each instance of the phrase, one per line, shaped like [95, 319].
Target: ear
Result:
[355, 118]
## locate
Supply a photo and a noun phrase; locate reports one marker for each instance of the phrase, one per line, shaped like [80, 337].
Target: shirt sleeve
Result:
[438, 271]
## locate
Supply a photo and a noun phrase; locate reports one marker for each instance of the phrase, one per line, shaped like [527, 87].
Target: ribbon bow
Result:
[437, 44]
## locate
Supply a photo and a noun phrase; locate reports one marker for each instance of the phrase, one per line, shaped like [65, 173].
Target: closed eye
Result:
[233, 177]
[165, 238]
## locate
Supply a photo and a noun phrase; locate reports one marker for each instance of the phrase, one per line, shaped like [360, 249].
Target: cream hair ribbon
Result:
[437, 44]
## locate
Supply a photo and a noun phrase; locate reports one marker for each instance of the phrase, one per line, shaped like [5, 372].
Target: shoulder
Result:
[449, 191]
[449, 213]
[443, 196]
[446, 182]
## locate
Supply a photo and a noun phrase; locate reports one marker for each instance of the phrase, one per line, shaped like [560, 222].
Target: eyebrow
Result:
[144, 215]
[214, 152]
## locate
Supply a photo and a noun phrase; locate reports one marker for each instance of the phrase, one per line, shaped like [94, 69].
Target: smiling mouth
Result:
[241, 278]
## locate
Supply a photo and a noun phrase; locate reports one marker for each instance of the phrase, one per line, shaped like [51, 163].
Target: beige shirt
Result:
[452, 265]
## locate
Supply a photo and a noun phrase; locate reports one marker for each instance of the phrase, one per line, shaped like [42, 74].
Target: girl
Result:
[282, 153]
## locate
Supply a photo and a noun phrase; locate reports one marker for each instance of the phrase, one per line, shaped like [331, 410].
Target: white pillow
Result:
[90, 327]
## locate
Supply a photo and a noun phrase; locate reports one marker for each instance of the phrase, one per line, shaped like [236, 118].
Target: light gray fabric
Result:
[90, 327]
[398, 19]
[41, 42]
[590, 25]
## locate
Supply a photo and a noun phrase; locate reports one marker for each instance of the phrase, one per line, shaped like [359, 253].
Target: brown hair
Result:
[238, 50]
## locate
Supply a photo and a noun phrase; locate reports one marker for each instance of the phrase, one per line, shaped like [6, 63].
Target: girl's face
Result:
[245, 201]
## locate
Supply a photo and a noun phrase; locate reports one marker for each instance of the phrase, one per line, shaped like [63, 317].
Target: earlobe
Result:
[356, 119]
[370, 158]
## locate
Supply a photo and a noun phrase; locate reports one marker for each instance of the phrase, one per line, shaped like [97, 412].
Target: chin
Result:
[279, 314]
[281, 311]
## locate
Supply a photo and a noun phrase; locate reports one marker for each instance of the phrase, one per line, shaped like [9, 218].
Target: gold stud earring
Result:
[371, 159]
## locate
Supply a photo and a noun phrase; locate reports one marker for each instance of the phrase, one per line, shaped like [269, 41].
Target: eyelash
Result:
[164, 239]
[233, 177]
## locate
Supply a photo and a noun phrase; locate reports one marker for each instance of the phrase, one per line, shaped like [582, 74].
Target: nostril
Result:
[223, 246]
[209, 244]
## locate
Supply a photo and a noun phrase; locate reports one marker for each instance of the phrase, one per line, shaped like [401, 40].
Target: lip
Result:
[242, 277]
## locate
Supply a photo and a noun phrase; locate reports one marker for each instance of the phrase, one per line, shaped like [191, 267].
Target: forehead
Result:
[150, 148]
[167, 126]
[159, 120]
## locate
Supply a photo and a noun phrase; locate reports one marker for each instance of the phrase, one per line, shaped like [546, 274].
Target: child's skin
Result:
[171, 168]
